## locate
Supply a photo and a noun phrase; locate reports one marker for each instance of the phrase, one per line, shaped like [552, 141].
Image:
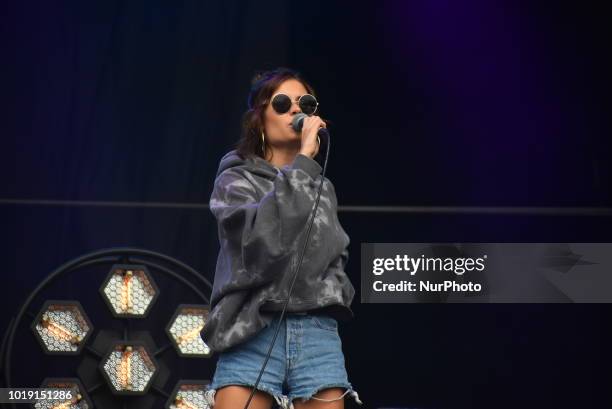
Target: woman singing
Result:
[263, 195]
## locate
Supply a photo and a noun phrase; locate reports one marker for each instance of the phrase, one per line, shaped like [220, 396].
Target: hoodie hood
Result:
[254, 164]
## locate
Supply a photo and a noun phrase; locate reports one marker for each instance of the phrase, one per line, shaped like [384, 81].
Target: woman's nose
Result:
[295, 108]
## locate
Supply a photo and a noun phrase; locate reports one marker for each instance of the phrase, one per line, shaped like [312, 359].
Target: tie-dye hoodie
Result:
[262, 214]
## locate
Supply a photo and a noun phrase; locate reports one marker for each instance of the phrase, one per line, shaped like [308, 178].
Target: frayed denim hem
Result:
[282, 400]
[349, 390]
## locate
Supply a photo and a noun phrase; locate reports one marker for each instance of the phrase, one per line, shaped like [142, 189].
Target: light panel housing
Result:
[62, 327]
[129, 291]
[128, 368]
[184, 330]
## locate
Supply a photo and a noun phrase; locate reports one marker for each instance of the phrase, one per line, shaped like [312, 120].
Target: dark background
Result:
[432, 103]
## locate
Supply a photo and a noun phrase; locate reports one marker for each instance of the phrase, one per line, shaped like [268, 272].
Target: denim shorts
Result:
[307, 357]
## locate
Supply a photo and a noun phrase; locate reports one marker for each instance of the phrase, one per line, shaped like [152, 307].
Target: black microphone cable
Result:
[312, 217]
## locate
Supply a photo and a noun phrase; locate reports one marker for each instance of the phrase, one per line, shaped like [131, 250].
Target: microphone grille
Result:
[298, 121]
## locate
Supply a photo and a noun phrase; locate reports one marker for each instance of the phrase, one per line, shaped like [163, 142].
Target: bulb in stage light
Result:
[129, 291]
[188, 395]
[77, 399]
[128, 368]
[184, 330]
[62, 327]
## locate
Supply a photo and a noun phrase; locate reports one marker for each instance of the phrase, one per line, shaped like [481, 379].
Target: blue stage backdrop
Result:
[432, 103]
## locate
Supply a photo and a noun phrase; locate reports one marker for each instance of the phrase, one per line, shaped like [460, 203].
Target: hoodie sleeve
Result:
[257, 235]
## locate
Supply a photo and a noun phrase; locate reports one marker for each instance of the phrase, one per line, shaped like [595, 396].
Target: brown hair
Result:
[263, 86]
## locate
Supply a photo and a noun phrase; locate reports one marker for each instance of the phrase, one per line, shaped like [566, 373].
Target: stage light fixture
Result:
[62, 327]
[129, 291]
[120, 367]
[184, 330]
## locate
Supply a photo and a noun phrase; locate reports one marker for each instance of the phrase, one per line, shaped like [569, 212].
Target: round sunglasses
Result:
[281, 103]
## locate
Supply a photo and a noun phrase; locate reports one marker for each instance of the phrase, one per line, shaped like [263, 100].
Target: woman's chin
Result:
[294, 139]
[290, 140]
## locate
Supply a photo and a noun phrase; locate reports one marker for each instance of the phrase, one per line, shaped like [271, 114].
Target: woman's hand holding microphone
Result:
[310, 142]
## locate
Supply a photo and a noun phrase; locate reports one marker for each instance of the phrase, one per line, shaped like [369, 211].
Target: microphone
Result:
[298, 122]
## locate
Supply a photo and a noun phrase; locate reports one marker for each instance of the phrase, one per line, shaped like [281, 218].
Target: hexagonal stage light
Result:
[184, 330]
[129, 291]
[188, 394]
[79, 400]
[128, 368]
[62, 327]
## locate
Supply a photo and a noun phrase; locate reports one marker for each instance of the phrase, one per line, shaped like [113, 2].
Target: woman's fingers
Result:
[314, 122]
[310, 129]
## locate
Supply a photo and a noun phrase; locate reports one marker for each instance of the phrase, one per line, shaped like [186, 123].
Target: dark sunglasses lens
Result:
[281, 103]
[308, 104]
